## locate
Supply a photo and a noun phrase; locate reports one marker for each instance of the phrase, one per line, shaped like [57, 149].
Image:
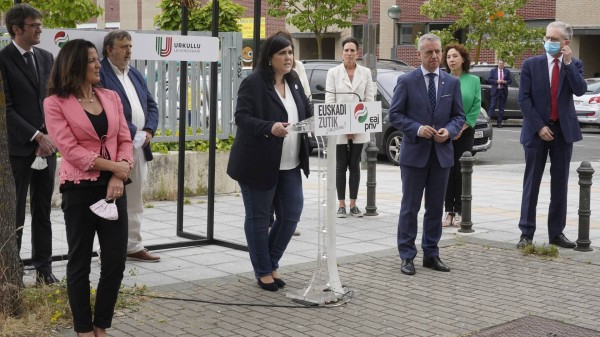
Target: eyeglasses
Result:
[34, 25]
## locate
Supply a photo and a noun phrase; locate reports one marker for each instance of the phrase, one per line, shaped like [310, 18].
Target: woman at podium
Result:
[349, 82]
[266, 160]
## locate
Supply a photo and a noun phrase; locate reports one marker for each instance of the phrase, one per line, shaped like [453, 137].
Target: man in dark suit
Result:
[427, 108]
[500, 80]
[548, 83]
[25, 70]
[141, 113]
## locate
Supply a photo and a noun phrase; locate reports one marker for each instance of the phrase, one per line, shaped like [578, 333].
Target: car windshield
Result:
[593, 88]
[387, 80]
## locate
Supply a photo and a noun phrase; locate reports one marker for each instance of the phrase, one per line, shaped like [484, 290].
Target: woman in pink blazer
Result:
[89, 129]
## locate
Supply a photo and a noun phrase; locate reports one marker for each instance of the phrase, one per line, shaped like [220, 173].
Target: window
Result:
[409, 32]
[358, 33]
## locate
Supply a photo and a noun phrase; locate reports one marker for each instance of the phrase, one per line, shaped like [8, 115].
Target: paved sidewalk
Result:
[490, 282]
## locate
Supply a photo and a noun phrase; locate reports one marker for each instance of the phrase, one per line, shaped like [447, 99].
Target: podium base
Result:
[317, 294]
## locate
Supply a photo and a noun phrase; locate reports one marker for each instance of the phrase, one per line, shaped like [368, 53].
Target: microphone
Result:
[321, 88]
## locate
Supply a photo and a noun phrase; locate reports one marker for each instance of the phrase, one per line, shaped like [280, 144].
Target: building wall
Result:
[534, 10]
[566, 10]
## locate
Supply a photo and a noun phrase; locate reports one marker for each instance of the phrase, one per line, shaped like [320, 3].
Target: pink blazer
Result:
[72, 132]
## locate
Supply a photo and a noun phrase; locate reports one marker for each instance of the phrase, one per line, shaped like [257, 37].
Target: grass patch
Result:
[149, 205]
[187, 201]
[540, 250]
[46, 309]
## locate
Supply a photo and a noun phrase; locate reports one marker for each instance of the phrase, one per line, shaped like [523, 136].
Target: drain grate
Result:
[533, 326]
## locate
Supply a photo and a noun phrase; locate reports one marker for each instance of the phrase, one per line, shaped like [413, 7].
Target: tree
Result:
[60, 13]
[318, 16]
[490, 24]
[10, 269]
[200, 16]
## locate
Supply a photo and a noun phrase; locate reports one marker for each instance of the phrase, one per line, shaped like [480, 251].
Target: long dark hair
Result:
[70, 68]
[271, 46]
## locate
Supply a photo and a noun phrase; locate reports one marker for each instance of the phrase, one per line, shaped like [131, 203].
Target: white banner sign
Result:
[53, 39]
[345, 118]
[145, 46]
[175, 47]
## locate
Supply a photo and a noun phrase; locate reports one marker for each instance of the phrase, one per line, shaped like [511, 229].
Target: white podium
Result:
[331, 120]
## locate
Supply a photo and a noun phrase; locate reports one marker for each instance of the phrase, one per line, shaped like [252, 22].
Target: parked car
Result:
[390, 139]
[587, 106]
[512, 109]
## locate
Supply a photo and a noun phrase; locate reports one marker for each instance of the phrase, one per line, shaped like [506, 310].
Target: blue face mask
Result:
[552, 48]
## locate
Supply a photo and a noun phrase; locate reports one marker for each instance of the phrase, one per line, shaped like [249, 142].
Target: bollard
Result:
[586, 172]
[371, 209]
[466, 168]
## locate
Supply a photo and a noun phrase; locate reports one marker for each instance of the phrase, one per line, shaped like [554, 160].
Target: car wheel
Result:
[392, 147]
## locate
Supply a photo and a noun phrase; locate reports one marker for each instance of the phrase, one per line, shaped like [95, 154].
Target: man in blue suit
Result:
[141, 113]
[427, 108]
[500, 80]
[548, 83]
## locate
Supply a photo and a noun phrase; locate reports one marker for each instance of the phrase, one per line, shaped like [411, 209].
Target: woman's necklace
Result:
[87, 100]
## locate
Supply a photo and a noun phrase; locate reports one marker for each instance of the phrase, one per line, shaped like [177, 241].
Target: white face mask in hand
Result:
[106, 209]
[39, 163]
[139, 139]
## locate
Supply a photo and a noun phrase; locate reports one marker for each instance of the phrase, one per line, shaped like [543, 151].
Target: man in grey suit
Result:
[25, 70]
[427, 108]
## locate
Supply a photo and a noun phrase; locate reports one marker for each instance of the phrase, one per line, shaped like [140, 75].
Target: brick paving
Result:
[490, 283]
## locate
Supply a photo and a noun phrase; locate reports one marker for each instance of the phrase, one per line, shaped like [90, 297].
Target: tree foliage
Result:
[200, 16]
[60, 13]
[317, 16]
[489, 24]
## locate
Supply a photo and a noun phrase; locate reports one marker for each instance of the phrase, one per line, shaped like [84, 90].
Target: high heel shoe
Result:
[280, 282]
[268, 286]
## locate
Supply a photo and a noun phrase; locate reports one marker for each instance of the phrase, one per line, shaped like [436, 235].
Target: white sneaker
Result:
[457, 220]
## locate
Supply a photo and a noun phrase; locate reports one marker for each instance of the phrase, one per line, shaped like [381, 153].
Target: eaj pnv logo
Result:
[61, 38]
[361, 113]
[165, 49]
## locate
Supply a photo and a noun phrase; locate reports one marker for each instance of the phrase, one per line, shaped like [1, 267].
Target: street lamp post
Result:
[394, 14]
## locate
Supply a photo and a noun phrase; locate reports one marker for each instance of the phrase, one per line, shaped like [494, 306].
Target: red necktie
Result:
[554, 92]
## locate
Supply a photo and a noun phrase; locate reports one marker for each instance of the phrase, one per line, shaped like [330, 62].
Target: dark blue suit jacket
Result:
[534, 99]
[411, 108]
[256, 154]
[494, 77]
[110, 81]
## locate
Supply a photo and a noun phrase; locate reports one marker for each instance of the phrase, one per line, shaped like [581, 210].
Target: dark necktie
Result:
[29, 57]
[431, 90]
[554, 92]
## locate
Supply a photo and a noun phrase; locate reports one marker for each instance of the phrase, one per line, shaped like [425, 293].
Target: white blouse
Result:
[290, 156]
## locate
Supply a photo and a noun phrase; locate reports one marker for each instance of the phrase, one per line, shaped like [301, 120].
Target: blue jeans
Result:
[266, 246]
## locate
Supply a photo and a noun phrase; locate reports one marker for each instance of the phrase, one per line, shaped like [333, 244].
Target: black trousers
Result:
[81, 226]
[453, 200]
[40, 184]
[347, 158]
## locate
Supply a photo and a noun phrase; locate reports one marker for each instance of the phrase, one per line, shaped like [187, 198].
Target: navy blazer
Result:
[411, 108]
[534, 99]
[24, 97]
[110, 81]
[256, 154]
[494, 77]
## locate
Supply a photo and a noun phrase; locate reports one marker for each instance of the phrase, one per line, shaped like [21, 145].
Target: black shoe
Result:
[562, 241]
[280, 282]
[45, 278]
[408, 267]
[434, 262]
[499, 125]
[268, 286]
[524, 241]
